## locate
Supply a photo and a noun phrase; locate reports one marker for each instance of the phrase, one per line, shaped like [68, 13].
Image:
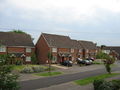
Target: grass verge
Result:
[91, 79]
[49, 74]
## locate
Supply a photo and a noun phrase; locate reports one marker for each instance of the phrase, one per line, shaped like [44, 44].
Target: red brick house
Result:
[89, 49]
[62, 48]
[18, 46]
[112, 51]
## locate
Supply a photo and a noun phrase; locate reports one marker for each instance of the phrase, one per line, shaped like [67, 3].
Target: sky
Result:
[92, 20]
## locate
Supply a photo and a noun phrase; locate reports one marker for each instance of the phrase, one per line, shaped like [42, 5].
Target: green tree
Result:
[8, 80]
[50, 57]
[108, 60]
[34, 59]
[18, 31]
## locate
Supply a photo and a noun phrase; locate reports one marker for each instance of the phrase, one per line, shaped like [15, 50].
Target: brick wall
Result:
[42, 50]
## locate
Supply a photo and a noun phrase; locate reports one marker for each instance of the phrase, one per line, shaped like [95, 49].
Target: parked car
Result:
[91, 59]
[87, 62]
[67, 63]
[80, 61]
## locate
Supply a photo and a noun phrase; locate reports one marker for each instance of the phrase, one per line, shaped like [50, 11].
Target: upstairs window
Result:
[72, 50]
[28, 50]
[54, 49]
[2, 49]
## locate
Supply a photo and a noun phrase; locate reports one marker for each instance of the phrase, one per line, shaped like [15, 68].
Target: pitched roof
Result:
[115, 48]
[15, 39]
[58, 41]
[76, 44]
[88, 44]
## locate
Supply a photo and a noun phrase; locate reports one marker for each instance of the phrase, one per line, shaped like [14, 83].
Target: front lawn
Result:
[49, 74]
[91, 79]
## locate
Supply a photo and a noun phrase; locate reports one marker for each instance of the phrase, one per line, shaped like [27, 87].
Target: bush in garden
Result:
[34, 59]
[38, 69]
[104, 85]
[116, 84]
[27, 70]
[97, 83]
[33, 69]
[8, 80]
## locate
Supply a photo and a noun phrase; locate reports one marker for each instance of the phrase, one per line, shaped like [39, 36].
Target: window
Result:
[72, 50]
[54, 49]
[28, 58]
[2, 49]
[54, 59]
[28, 49]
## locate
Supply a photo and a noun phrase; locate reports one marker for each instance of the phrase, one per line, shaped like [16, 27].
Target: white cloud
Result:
[64, 10]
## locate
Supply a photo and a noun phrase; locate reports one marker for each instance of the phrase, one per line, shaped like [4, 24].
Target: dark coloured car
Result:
[80, 61]
[67, 63]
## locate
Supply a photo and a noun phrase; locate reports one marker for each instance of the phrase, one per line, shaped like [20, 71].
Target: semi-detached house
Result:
[63, 48]
[17, 45]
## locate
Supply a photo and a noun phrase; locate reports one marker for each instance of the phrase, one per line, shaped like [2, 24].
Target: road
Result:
[49, 81]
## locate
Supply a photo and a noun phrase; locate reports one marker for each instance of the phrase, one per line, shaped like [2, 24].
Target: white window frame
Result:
[28, 50]
[2, 49]
[54, 49]
[72, 50]
[28, 58]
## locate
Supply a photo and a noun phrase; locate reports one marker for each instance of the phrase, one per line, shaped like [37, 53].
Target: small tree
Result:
[8, 80]
[108, 60]
[50, 57]
[34, 59]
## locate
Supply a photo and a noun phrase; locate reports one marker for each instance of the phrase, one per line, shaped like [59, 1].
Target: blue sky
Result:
[93, 20]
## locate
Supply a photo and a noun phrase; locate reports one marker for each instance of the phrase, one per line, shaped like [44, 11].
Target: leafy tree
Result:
[34, 59]
[8, 80]
[50, 57]
[18, 31]
[108, 60]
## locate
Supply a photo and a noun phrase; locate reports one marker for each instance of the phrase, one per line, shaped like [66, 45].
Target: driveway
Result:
[49, 81]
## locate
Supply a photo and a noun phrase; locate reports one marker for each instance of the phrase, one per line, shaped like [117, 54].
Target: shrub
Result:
[33, 69]
[27, 70]
[116, 84]
[34, 59]
[8, 80]
[38, 69]
[108, 68]
[97, 83]
[104, 85]
[18, 62]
